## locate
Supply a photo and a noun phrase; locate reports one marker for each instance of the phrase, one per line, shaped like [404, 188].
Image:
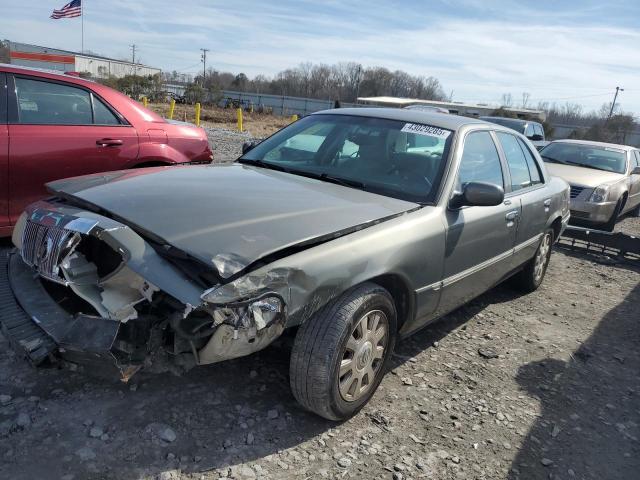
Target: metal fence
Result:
[278, 104]
[564, 131]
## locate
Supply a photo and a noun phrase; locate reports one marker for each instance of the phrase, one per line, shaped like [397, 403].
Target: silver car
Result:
[604, 179]
[349, 228]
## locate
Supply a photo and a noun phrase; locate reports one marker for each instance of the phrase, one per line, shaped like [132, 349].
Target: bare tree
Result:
[507, 100]
[525, 99]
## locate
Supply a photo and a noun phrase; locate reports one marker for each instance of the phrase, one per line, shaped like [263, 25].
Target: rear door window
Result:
[528, 131]
[46, 103]
[102, 115]
[516, 160]
[480, 160]
[538, 130]
[534, 169]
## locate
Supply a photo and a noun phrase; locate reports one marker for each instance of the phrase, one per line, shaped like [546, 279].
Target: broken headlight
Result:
[254, 312]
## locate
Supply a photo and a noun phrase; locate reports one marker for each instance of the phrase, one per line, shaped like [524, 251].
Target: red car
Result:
[55, 125]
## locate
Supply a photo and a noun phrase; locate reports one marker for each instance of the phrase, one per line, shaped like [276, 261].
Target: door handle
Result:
[547, 202]
[109, 142]
[512, 215]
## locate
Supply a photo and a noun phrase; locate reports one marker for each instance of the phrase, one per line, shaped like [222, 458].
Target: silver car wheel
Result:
[363, 355]
[542, 257]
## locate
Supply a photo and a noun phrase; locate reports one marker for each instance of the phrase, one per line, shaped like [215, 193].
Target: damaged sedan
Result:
[349, 229]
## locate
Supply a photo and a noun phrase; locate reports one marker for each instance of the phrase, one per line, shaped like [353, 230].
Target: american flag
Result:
[70, 10]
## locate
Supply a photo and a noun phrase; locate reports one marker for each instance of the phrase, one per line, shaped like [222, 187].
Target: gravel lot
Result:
[540, 386]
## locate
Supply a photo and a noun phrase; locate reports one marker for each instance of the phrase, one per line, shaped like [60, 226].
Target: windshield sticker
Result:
[425, 130]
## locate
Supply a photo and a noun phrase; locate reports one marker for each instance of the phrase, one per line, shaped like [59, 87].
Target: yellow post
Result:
[294, 118]
[239, 111]
[144, 101]
[172, 107]
[198, 114]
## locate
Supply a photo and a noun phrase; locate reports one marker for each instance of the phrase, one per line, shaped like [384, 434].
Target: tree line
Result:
[341, 81]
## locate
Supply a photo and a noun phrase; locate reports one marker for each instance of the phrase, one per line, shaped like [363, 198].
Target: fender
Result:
[158, 152]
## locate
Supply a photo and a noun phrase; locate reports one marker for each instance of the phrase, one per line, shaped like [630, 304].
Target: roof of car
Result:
[596, 144]
[517, 120]
[442, 120]
[51, 73]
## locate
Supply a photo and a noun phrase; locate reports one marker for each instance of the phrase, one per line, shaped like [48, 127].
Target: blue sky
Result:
[576, 51]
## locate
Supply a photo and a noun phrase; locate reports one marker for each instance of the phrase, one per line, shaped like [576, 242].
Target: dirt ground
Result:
[541, 386]
[258, 125]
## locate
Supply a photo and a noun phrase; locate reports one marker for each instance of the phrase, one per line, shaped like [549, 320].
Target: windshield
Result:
[398, 159]
[589, 156]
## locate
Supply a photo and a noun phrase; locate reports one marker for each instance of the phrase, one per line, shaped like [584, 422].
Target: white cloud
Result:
[477, 59]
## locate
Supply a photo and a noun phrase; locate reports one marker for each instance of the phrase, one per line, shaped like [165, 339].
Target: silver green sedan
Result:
[604, 179]
[349, 228]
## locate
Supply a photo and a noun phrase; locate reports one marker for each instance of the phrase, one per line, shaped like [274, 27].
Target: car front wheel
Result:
[340, 355]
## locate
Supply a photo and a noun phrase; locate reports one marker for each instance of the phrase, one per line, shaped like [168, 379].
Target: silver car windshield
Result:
[598, 158]
[394, 158]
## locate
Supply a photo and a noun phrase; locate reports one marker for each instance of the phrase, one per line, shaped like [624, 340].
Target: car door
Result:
[4, 158]
[479, 240]
[634, 181]
[60, 130]
[526, 189]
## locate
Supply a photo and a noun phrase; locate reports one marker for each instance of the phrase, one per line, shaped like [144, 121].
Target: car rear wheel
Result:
[531, 277]
[340, 355]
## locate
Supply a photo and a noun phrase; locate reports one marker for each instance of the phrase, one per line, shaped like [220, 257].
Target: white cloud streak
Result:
[478, 59]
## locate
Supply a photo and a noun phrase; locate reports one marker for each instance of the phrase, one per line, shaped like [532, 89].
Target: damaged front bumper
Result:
[99, 293]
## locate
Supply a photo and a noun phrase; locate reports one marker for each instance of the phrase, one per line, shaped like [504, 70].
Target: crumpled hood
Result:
[587, 177]
[235, 210]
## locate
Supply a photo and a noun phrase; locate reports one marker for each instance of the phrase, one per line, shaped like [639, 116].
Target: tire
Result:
[335, 338]
[611, 224]
[531, 277]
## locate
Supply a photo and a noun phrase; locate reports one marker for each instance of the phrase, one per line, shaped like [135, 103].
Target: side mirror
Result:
[246, 146]
[478, 194]
[635, 171]
[536, 137]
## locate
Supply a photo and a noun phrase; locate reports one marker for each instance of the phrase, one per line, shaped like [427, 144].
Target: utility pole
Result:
[204, 64]
[133, 57]
[615, 97]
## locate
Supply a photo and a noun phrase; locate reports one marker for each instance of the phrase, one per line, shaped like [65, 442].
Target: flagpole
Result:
[82, 22]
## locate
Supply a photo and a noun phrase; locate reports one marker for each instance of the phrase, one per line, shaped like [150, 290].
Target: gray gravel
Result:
[226, 144]
[540, 386]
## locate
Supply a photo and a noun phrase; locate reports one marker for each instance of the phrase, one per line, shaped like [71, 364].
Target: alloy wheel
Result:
[542, 257]
[363, 355]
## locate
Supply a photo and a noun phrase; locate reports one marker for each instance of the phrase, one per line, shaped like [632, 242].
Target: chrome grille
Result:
[43, 245]
[575, 191]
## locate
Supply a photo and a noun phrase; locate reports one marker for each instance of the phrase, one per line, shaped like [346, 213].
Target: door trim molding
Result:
[450, 280]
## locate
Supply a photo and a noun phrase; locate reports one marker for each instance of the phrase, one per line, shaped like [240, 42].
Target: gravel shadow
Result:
[589, 424]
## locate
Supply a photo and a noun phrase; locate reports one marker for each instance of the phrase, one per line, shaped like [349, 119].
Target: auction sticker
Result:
[425, 130]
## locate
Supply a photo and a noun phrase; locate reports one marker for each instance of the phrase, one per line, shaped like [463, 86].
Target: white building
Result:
[65, 61]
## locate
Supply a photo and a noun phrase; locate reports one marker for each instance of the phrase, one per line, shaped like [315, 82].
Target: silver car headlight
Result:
[600, 194]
